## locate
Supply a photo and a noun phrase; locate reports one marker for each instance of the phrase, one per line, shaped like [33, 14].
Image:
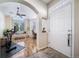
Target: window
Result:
[19, 23]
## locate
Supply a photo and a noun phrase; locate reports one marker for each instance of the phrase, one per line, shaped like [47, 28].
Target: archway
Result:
[9, 10]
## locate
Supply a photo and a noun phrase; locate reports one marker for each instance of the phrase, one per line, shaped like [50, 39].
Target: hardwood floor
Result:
[30, 50]
[30, 47]
[48, 53]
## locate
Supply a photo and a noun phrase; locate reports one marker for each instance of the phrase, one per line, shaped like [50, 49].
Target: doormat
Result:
[3, 53]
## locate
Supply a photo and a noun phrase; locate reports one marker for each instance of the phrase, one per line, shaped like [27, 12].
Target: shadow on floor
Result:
[3, 53]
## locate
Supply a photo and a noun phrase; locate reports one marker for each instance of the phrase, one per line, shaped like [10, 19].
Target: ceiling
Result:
[46, 1]
[11, 9]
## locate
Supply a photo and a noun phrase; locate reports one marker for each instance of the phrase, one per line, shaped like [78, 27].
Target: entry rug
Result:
[3, 54]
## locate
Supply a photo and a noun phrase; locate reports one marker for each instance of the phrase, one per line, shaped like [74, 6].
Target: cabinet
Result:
[43, 41]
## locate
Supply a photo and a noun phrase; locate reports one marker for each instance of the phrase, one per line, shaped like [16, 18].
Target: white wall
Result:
[2, 24]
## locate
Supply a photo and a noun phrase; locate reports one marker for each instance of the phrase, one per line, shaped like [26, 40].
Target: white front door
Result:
[60, 29]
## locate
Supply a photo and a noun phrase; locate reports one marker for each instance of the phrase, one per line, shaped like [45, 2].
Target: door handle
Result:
[69, 40]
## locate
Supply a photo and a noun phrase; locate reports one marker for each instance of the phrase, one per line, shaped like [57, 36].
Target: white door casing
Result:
[61, 28]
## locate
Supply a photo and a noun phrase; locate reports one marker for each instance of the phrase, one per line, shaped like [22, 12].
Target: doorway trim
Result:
[73, 32]
[72, 21]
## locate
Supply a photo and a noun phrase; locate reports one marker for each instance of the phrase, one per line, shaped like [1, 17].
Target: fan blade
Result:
[18, 14]
[22, 14]
[17, 11]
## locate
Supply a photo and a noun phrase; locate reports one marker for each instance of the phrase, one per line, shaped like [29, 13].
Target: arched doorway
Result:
[13, 19]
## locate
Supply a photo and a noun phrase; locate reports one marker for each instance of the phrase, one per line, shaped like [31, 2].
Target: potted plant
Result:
[5, 32]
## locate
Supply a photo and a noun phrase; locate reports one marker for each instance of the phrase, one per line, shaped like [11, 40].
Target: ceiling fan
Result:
[19, 13]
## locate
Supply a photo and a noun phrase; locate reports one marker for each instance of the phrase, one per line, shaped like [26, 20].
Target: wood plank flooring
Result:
[30, 47]
[30, 50]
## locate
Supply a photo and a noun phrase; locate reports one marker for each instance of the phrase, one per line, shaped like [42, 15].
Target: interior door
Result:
[60, 29]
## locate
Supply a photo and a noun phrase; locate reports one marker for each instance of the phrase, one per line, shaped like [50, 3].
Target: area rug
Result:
[3, 53]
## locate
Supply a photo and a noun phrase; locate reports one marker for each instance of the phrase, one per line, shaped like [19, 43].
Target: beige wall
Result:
[26, 25]
[8, 22]
[76, 16]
